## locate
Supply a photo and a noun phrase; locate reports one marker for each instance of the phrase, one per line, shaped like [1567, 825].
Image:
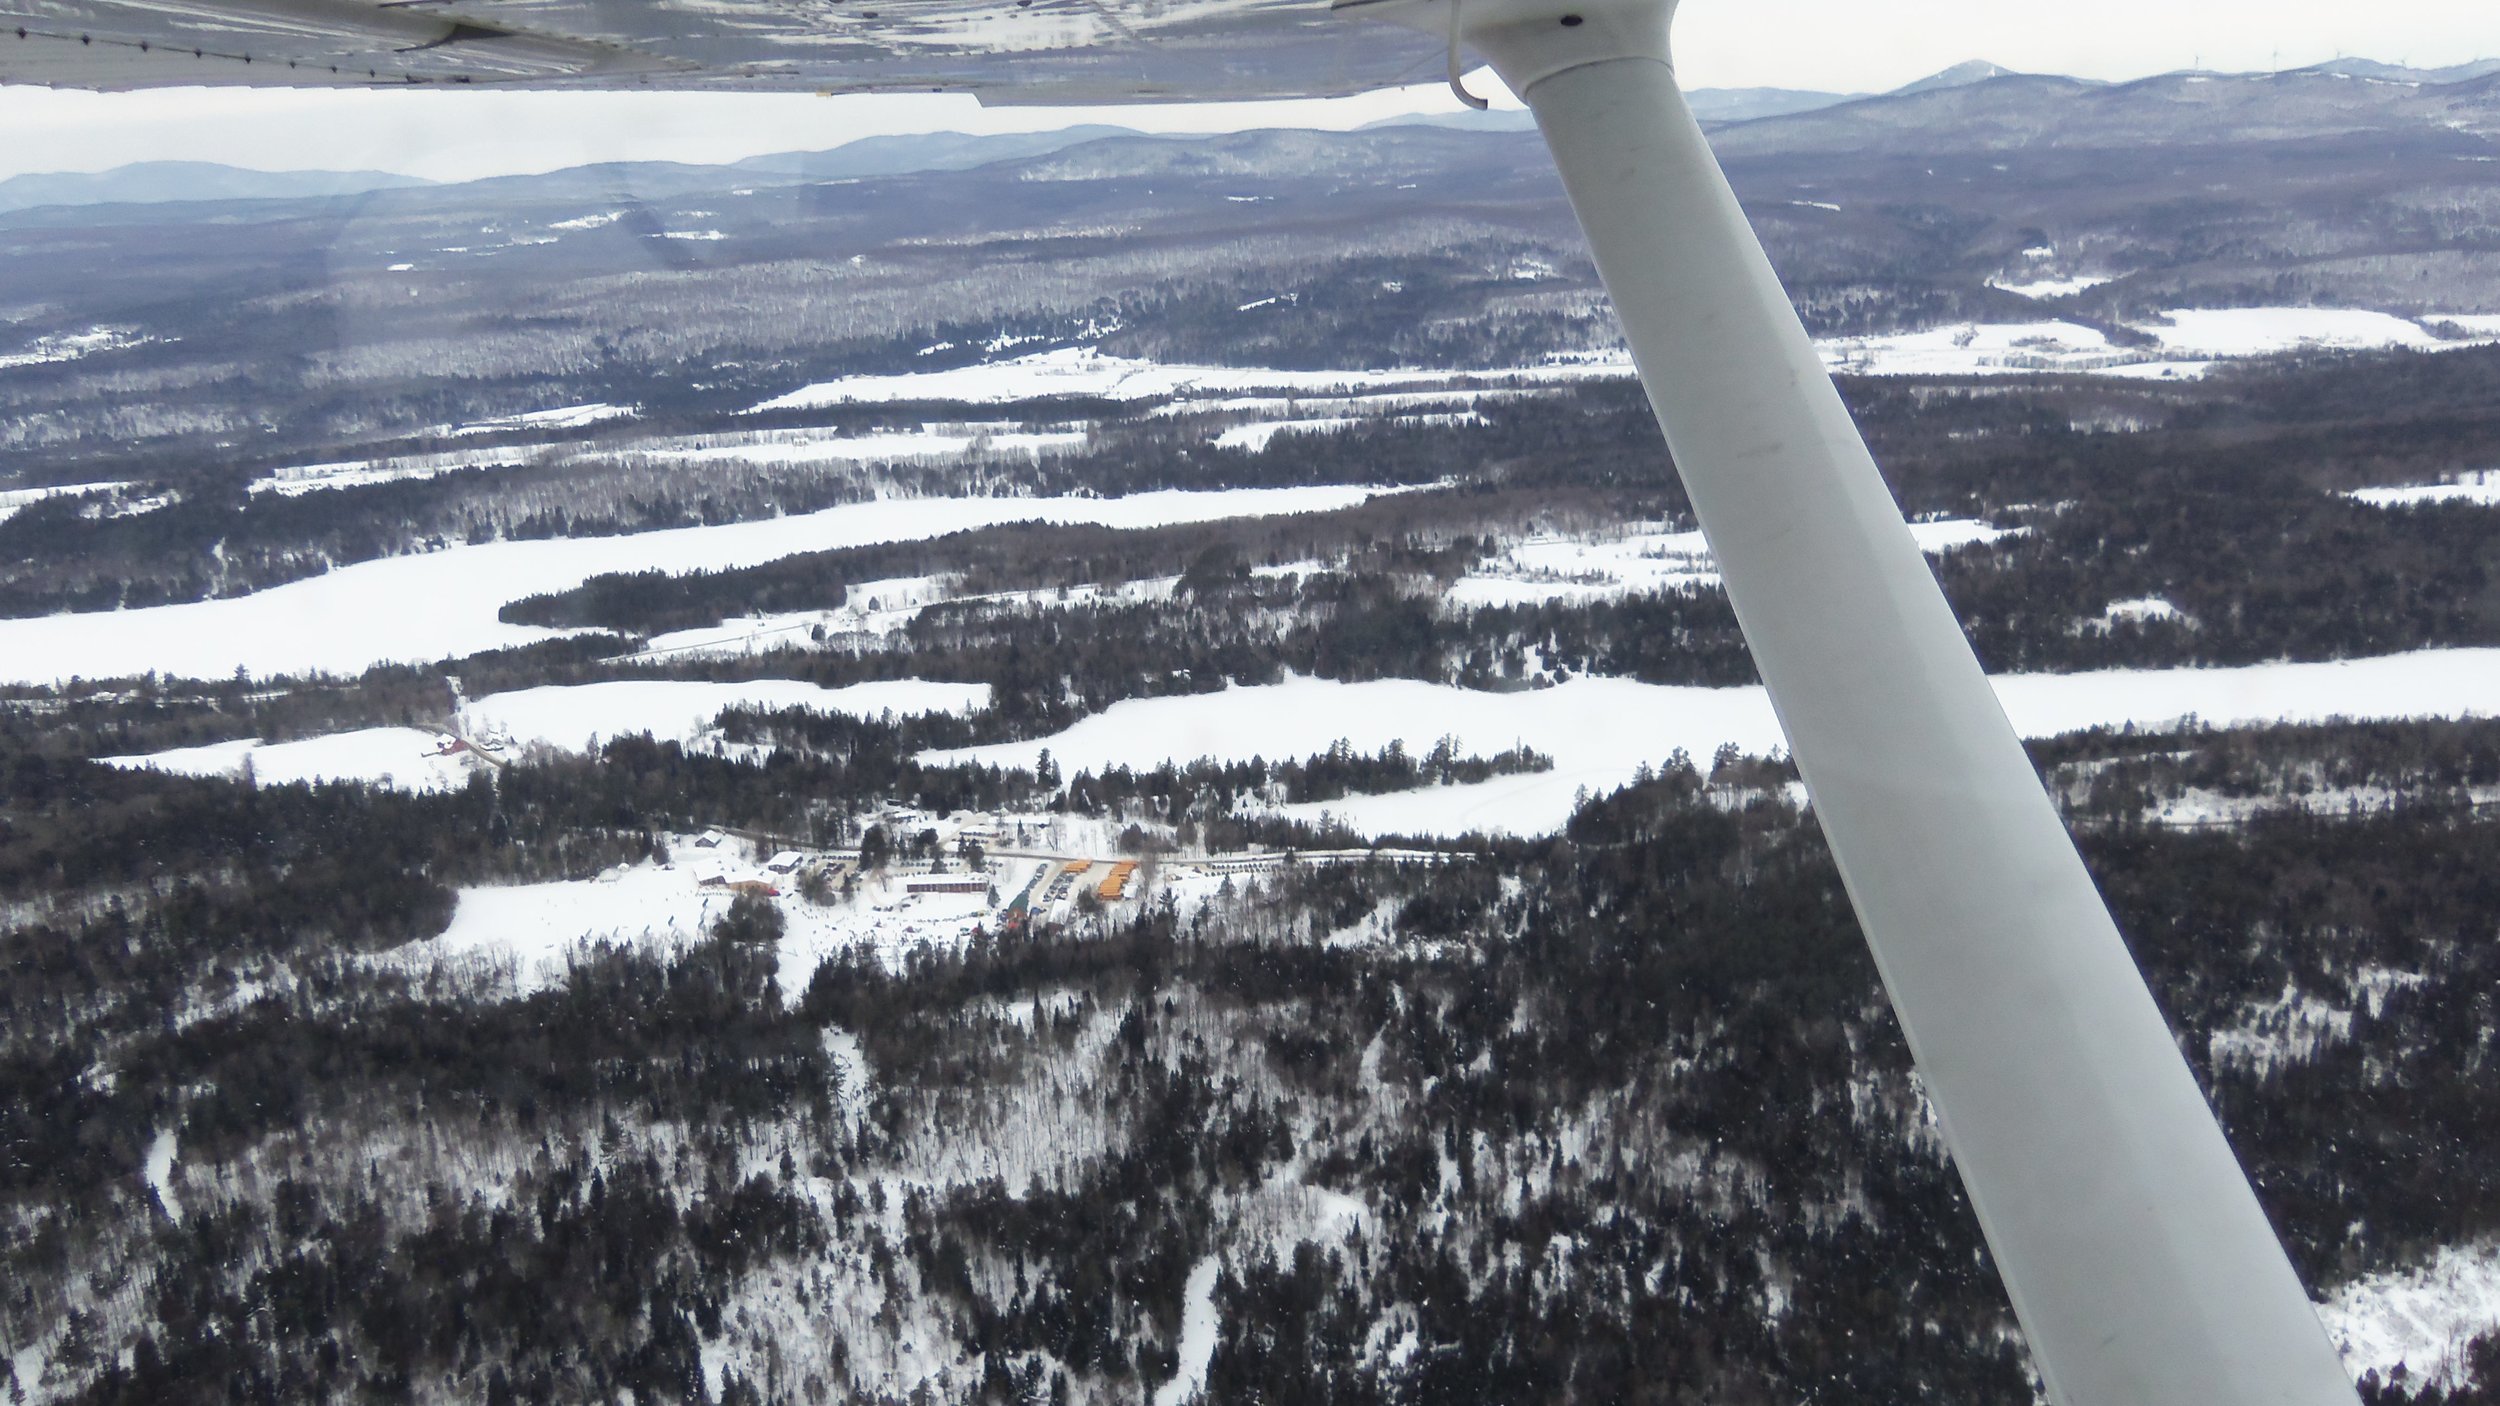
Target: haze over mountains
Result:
[155, 182]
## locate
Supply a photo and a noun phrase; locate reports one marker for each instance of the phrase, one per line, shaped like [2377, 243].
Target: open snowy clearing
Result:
[399, 757]
[531, 934]
[1095, 375]
[880, 608]
[562, 417]
[1258, 434]
[297, 479]
[1977, 349]
[581, 717]
[570, 717]
[70, 346]
[2053, 287]
[923, 444]
[441, 605]
[2191, 340]
[2482, 487]
[775, 447]
[2422, 1318]
[1601, 731]
[1622, 563]
[17, 500]
[2221, 332]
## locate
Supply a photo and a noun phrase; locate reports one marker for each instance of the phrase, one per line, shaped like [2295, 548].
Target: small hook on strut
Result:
[1458, 82]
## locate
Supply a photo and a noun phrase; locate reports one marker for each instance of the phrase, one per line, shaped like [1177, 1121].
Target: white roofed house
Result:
[788, 861]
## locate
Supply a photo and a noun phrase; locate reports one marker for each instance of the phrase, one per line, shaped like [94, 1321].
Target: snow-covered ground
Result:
[882, 608]
[2421, 1318]
[562, 417]
[1638, 560]
[530, 935]
[1196, 1349]
[399, 757]
[2481, 487]
[70, 346]
[2190, 341]
[1601, 731]
[1257, 434]
[924, 443]
[583, 716]
[2053, 287]
[1091, 374]
[439, 605]
[2223, 332]
[17, 500]
[1974, 348]
[295, 479]
[159, 1171]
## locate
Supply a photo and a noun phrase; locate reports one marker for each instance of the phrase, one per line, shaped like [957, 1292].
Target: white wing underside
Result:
[1004, 51]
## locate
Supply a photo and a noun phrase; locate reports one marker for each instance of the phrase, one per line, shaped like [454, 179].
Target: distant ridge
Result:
[925, 151]
[156, 182]
[1961, 75]
[2398, 73]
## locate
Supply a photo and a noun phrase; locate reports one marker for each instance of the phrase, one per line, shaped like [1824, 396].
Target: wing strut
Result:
[2136, 1255]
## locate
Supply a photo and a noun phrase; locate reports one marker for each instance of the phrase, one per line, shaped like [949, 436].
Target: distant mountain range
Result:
[1979, 103]
[153, 182]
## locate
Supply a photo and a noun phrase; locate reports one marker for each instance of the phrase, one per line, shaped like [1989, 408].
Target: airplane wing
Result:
[1033, 52]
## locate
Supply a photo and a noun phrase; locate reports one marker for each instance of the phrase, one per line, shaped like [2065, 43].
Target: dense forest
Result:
[1540, 1122]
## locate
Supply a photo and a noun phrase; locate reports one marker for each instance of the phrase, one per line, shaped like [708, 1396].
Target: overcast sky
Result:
[1835, 45]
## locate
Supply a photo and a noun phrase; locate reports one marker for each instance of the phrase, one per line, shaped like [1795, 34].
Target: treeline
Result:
[2126, 774]
[1580, 1088]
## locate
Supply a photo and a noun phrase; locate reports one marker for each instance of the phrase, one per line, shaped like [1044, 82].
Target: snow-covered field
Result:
[1091, 374]
[439, 605]
[2221, 332]
[882, 608]
[17, 500]
[583, 716]
[399, 757]
[1978, 349]
[572, 717]
[2422, 1318]
[2480, 487]
[925, 443]
[1258, 434]
[1622, 563]
[2191, 340]
[295, 479]
[70, 346]
[1601, 731]
[531, 934]
[562, 417]
[2052, 287]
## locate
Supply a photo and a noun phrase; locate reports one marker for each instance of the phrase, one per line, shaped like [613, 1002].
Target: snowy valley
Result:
[1147, 789]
